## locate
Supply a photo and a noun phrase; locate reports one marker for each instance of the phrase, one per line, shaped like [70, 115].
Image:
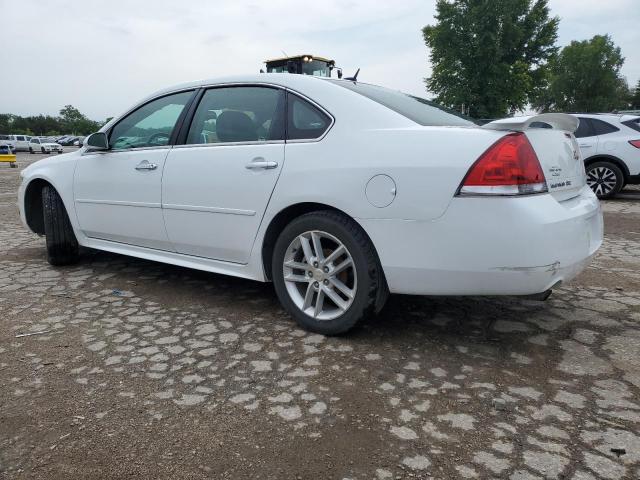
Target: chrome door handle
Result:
[259, 164]
[144, 165]
[585, 146]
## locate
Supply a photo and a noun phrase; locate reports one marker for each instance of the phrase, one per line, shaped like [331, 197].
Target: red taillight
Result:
[635, 143]
[509, 167]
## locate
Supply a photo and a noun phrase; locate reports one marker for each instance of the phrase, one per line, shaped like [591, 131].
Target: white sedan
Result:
[338, 192]
[41, 145]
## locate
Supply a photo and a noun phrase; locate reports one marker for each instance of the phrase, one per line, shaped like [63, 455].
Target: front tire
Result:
[42, 150]
[326, 272]
[605, 179]
[62, 245]
[31, 151]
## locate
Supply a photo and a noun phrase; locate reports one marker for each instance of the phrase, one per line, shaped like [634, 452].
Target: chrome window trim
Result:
[229, 144]
[122, 150]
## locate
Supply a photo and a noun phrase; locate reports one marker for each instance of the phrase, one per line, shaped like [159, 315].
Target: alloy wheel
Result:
[602, 180]
[320, 275]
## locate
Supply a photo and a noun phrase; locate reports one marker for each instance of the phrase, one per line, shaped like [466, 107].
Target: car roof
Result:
[280, 79]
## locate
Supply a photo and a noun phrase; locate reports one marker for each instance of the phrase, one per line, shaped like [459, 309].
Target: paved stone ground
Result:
[153, 371]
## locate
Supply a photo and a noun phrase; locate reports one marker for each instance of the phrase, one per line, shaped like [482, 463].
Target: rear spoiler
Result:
[559, 121]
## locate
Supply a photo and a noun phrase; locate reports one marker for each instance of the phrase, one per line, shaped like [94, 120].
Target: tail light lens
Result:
[509, 167]
[635, 143]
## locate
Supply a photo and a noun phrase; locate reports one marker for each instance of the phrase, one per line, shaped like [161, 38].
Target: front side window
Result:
[150, 125]
[602, 128]
[35, 140]
[584, 128]
[238, 114]
[305, 121]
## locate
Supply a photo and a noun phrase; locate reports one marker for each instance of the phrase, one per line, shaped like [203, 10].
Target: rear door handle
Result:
[145, 165]
[260, 164]
[585, 146]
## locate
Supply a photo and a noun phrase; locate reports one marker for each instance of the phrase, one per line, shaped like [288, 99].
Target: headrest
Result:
[233, 126]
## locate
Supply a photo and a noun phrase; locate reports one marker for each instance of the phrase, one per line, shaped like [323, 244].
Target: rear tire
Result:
[31, 151]
[42, 150]
[363, 281]
[605, 179]
[62, 245]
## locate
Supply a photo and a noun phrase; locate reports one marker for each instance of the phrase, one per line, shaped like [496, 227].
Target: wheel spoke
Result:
[342, 287]
[306, 248]
[343, 266]
[297, 265]
[335, 298]
[308, 297]
[319, 303]
[317, 246]
[292, 277]
[335, 254]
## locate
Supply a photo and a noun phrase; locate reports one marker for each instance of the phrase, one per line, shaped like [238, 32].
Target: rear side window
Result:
[238, 114]
[584, 128]
[633, 124]
[602, 128]
[421, 111]
[304, 120]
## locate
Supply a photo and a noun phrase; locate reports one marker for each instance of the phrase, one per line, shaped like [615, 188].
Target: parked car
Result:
[378, 192]
[610, 146]
[18, 142]
[6, 149]
[68, 141]
[43, 146]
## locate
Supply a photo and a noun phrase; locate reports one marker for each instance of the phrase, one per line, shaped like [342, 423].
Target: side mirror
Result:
[97, 141]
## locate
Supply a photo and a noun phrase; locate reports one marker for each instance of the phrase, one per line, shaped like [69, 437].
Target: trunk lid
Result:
[551, 136]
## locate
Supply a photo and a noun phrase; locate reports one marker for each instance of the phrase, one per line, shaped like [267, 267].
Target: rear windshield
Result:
[421, 111]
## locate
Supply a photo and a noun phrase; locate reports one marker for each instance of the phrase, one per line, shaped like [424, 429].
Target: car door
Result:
[587, 138]
[117, 192]
[217, 185]
[607, 143]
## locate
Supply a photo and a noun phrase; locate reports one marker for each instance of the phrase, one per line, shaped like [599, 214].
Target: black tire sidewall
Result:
[366, 280]
[61, 242]
[618, 173]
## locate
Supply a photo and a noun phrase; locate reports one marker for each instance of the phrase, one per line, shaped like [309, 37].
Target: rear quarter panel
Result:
[427, 165]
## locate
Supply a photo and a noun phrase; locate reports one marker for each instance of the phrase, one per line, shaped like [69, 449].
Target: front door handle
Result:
[585, 146]
[145, 165]
[261, 164]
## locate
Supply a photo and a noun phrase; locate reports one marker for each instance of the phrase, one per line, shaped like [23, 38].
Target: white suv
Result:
[610, 146]
[18, 142]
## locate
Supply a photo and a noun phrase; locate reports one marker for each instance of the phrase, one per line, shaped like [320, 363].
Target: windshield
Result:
[317, 68]
[420, 110]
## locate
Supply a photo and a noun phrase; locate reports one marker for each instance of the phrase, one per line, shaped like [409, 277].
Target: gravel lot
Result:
[153, 371]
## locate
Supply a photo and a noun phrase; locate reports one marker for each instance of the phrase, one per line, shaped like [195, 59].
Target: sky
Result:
[103, 56]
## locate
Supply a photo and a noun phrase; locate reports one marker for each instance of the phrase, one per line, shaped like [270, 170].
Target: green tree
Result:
[585, 77]
[490, 56]
[635, 99]
[71, 118]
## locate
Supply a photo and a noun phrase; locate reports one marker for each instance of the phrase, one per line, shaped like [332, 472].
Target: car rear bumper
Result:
[490, 246]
